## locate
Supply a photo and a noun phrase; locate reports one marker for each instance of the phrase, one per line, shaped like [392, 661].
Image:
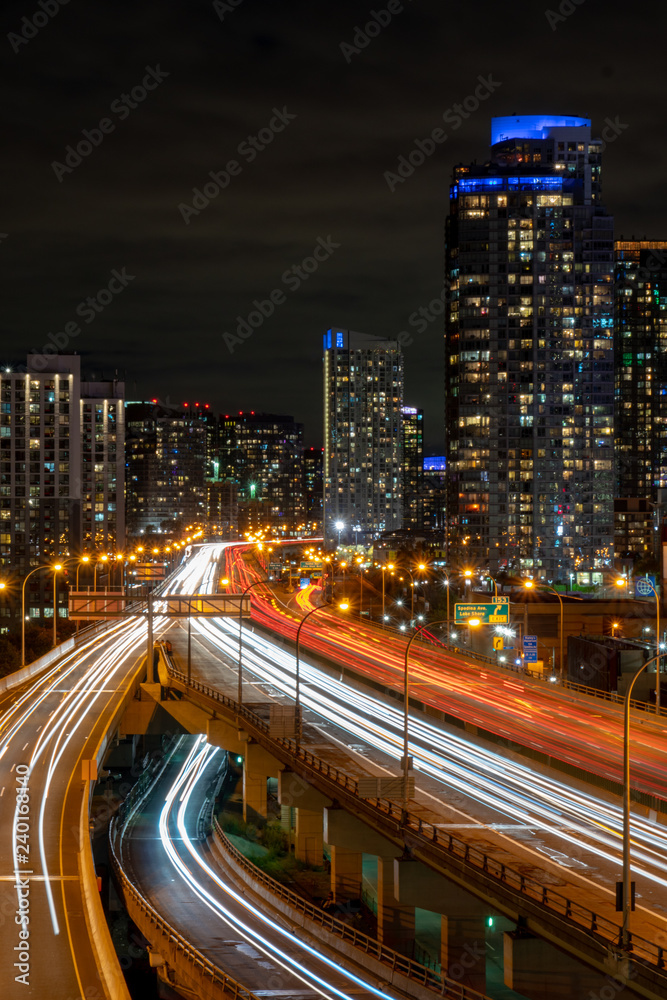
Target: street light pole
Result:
[622, 582]
[56, 569]
[406, 706]
[297, 703]
[239, 697]
[529, 585]
[627, 901]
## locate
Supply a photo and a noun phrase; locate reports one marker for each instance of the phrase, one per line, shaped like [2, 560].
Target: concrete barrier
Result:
[106, 960]
[26, 673]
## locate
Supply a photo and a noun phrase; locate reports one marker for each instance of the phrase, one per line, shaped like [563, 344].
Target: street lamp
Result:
[627, 901]
[406, 761]
[622, 582]
[339, 525]
[385, 567]
[246, 591]
[297, 706]
[446, 576]
[83, 559]
[529, 585]
[103, 559]
[56, 569]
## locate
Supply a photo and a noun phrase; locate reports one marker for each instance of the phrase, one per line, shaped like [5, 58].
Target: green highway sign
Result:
[497, 613]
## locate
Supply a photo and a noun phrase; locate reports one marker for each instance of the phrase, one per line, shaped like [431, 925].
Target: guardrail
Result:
[602, 930]
[416, 972]
[134, 899]
[538, 675]
[616, 699]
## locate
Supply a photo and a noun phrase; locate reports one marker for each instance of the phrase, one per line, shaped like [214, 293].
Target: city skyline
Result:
[321, 176]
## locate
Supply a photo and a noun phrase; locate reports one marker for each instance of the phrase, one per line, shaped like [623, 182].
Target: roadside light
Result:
[343, 606]
[474, 622]
[85, 559]
[3, 586]
[422, 566]
[225, 582]
[529, 584]
[104, 558]
[621, 582]
[467, 573]
[57, 567]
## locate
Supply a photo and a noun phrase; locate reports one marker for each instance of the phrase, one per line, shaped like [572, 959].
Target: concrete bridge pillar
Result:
[294, 792]
[396, 919]
[345, 873]
[258, 767]
[540, 971]
[462, 921]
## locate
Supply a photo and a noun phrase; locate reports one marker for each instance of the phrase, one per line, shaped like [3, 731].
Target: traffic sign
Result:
[497, 642]
[497, 613]
[530, 648]
[645, 586]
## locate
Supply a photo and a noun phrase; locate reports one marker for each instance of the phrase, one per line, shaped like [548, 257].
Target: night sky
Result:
[219, 73]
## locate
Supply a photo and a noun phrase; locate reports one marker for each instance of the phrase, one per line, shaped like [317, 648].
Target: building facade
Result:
[641, 370]
[263, 454]
[529, 354]
[412, 420]
[166, 463]
[363, 400]
[61, 473]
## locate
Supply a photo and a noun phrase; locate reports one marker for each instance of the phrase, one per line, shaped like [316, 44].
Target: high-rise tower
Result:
[529, 354]
[363, 398]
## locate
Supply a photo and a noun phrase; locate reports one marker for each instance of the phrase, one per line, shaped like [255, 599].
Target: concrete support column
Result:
[540, 971]
[295, 793]
[463, 948]
[396, 921]
[258, 767]
[309, 841]
[462, 920]
[345, 873]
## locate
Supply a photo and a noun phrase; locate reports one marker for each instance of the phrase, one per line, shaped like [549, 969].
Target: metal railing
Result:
[599, 928]
[134, 900]
[416, 972]
[616, 699]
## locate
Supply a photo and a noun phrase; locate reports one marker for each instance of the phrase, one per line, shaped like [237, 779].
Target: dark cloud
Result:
[322, 176]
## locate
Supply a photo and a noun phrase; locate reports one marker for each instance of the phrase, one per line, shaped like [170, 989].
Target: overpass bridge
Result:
[557, 932]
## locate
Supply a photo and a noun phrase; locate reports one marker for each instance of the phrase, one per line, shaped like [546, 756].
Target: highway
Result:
[540, 718]
[580, 830]
[46, 729]
[258, 949]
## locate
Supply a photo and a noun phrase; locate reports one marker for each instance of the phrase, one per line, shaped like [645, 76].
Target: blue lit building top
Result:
[532, 126]
[435, 463]
[466, 185]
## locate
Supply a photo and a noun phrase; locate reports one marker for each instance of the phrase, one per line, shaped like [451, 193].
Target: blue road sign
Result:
[645, 586]
[530, 648]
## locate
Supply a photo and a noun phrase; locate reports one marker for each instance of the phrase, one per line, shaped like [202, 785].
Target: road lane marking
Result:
[25, 746]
